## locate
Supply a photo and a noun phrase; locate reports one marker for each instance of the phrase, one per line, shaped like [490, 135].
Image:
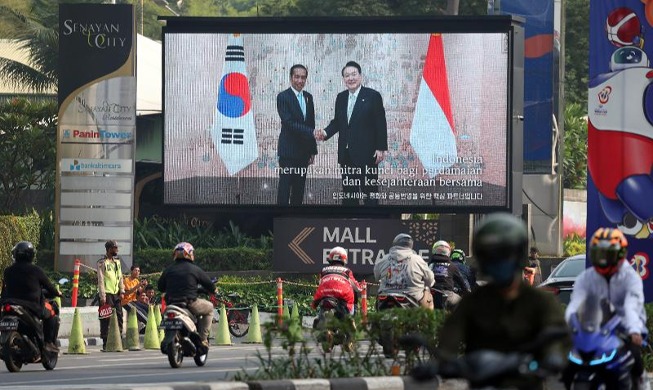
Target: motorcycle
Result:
[330, 331]
[487, 369]
[21, 338]
[600, 358]
[387, 301]
[181, 337]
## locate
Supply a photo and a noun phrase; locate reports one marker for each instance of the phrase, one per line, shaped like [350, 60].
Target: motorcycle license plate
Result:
[6, 325]
[172, 324]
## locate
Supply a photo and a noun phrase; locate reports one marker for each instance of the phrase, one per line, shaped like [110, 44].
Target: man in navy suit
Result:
[363, 137]
[297, 147]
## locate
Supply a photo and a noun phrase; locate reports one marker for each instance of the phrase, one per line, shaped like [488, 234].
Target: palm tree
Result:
[36, 33]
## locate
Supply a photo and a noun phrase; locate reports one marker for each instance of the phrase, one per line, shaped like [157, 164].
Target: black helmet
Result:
[403, 239]
[23, 251]
[500, 246]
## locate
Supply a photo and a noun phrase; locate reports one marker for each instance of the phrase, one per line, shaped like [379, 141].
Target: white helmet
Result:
[441, 248]
[338, 254]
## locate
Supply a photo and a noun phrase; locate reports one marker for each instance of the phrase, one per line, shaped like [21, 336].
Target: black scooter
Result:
[21, 338]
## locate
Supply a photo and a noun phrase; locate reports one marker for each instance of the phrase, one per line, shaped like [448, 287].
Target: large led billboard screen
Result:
[429, 127]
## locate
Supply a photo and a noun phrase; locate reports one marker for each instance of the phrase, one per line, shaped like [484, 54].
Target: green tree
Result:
[36, 32]
[575, 144]
[576, 50]
[27, 149]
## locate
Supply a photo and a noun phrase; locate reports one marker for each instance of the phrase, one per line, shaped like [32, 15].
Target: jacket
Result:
[403, 271]
[447, 275]
[23, 283]
[180, 281]
[109, 272]
[625, 291]
[337, 281]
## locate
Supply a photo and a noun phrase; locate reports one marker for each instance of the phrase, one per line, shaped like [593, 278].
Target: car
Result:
[562, 278]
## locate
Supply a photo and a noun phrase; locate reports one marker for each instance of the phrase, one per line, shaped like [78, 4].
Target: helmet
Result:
[337, 254]
[608, 249]
[23, 251]
[441, 248]
[184, 250]
[403, 239]
[110, 244]
[458, 255]
[499, 244]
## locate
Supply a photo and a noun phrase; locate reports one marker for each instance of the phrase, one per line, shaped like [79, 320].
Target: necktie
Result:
[302, 103]
[350, 106]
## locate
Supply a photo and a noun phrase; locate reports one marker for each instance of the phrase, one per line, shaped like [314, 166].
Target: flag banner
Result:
[433, 134]
[233, 132]
[620, 126]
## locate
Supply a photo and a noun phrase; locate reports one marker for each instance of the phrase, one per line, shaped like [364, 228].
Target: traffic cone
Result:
[286, 314]
[157, 317]
[254, 333]
[76, 344]
[223, 337]
[295, 313]
[114, 339]
[151, 334]
[133, 344]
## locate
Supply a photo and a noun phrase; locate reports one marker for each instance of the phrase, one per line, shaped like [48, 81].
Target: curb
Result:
[88, 341]
[367, 383]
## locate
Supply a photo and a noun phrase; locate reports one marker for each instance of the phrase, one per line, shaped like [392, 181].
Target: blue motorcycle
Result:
[600, 357]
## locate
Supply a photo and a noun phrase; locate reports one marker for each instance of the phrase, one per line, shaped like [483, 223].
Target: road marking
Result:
[90, 378]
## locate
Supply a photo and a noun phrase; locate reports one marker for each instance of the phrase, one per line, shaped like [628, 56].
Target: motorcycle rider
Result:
[404, 271]
[504, 314]
[180, 282]
[459, 258]
[22, 284]
[613, 278]
[337, 281]
[448, 277]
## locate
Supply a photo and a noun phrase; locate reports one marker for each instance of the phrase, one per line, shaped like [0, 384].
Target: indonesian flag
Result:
[433, 135]
[233, 131]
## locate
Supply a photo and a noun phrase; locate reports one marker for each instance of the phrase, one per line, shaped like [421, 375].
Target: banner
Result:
[539, 53]
[301, 245]
[96, 132]
[620, 126]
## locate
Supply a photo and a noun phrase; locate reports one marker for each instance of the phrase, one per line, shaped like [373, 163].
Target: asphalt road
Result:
[145, 367]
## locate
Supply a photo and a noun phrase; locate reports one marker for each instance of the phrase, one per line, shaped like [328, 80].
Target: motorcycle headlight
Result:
[575, 358]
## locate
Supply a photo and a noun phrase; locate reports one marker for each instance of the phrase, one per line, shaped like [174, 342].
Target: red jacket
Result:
[337, 281]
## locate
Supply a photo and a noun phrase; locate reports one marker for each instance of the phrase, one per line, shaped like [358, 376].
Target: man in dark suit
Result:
[297, 147]
[363, 137]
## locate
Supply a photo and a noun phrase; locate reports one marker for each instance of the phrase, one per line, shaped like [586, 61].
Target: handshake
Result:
[319, 134]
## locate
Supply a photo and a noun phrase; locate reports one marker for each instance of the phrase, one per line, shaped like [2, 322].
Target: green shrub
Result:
[165, 233]
[209, 259]
[300, 361]
[574, 245]
[15, 228]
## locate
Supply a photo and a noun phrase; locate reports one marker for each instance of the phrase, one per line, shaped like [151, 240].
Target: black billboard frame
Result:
[512, 25]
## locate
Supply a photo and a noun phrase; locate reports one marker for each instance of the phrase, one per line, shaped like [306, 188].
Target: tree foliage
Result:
[575, 149]
[576, 50]
[27, 149]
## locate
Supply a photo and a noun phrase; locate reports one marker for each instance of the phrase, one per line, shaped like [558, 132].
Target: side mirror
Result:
[63, 281]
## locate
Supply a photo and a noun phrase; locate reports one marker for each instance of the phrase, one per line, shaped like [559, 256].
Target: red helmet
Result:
[608, 249]
[338, 254]
[184, 250]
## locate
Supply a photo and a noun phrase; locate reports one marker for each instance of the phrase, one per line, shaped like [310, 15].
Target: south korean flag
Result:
[233, 131]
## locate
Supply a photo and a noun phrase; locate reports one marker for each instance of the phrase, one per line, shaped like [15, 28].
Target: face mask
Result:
[502, 273]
